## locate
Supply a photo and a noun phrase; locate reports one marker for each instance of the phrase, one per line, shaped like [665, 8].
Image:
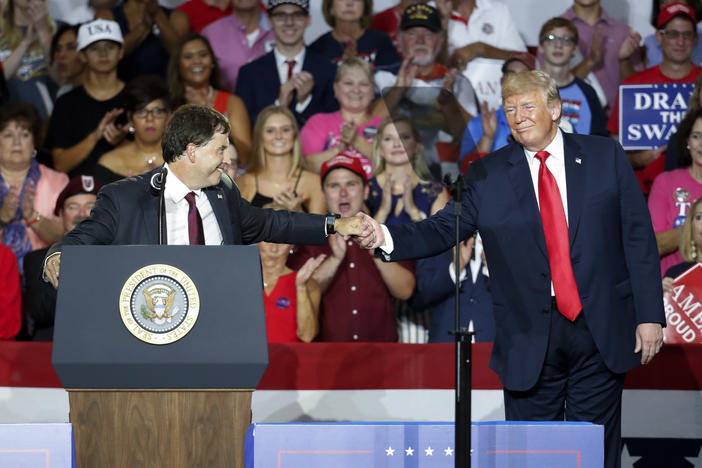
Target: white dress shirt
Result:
[177, 213]
[299, 59]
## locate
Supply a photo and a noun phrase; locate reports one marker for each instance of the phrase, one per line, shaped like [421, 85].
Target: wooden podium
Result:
[186, 403]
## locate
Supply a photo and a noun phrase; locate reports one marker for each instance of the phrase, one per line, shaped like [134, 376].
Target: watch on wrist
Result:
[329, 223]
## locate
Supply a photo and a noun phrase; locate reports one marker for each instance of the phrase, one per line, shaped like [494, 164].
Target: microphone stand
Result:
[464, 358]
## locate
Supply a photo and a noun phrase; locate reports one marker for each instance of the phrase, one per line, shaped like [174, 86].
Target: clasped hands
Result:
[363, 229]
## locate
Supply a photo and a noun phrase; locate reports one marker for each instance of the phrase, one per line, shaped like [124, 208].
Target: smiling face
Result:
[354, 90]
[278, 135]
[206, 162]
[532, 122]
[289, 23]
[677, 38]
[16, 145]
[195, 63]
[344, 192]
[398, 144]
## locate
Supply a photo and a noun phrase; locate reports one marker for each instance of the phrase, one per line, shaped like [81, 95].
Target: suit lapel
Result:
[216, 197]
[575, 182]
[273, 77]
[523, 187]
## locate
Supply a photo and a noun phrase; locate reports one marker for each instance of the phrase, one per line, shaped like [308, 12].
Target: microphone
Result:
[158, 180]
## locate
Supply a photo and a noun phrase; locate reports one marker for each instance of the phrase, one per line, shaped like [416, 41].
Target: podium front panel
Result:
[225, 348]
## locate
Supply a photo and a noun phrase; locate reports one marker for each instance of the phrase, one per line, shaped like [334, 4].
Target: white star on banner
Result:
[409, 451]
[627, 460]
[696, 461]
[429, 451]
[448, 451]
[390, 452]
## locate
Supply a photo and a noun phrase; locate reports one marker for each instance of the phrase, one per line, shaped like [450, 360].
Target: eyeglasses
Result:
[563, 40]
[282, 17]
[674, 35]
[156, 113]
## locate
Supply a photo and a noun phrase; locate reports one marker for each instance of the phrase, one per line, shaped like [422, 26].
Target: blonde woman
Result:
[275, 173]
[25, 50]
[401, 190]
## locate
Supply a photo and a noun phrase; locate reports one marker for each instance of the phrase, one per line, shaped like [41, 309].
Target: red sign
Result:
[683, 308]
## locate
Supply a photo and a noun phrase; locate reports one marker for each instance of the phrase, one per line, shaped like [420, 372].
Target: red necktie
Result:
[291, 65]
[195, 230]
[557, 243]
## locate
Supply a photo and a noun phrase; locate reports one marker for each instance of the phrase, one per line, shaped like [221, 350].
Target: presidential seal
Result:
[159, 304]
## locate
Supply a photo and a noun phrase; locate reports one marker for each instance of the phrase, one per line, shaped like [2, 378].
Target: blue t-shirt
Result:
[474, 131]
[582, 109]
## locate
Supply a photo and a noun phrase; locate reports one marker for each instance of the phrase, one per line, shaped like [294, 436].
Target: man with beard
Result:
[73, 205]
[425, 90]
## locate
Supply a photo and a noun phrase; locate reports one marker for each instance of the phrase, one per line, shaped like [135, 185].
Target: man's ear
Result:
[190, 150]
[555, 108]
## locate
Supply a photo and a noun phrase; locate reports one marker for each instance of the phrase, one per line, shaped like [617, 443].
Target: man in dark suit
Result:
[291, 75]
[200, 206]
[573, 263]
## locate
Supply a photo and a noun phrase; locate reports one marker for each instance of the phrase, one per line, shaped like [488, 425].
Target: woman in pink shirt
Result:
[353, 127]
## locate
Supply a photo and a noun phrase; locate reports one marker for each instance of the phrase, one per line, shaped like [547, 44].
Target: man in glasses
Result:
[677, 34]
[291, 75]
[558, 43]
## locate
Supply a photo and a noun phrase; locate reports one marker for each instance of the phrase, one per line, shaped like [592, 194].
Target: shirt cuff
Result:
[301, 106]
[388, 246]
[452, 273]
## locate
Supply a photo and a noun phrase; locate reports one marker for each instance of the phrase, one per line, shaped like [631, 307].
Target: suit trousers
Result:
[574, 385]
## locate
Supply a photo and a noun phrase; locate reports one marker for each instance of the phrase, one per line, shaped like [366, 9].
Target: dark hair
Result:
[684, 130]
[696, 6]
[142, 90]
[191, 124]
[24, 113]
[559, 22]
[60, 32]
[175, 81]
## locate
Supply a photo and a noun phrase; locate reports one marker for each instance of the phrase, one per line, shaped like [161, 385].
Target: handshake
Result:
[363, 229]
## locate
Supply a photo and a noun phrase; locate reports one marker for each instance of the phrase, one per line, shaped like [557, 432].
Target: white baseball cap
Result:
[99, 30]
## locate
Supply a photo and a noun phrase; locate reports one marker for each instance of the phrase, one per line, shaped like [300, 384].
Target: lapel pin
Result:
[219, 196]
[578, 161]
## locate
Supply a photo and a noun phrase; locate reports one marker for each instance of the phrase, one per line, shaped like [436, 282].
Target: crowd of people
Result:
[369, 117]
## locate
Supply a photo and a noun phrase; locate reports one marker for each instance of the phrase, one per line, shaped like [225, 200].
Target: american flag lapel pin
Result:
[578, 161]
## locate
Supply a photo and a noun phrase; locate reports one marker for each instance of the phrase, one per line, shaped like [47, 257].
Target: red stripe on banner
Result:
[370, 366]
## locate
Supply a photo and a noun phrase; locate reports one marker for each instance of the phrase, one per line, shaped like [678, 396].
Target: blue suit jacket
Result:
[612, 247]
[126, 212]
[258, 86]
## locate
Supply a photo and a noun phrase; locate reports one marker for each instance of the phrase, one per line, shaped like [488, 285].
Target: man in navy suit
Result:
[200, 205]
[573, 263]
[291, 75]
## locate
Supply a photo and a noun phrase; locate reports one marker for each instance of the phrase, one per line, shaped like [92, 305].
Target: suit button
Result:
[544, 274]
[472, 300]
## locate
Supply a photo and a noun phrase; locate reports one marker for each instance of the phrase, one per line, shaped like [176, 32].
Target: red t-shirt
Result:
[201, 14]
[281, 310]
[650, 75]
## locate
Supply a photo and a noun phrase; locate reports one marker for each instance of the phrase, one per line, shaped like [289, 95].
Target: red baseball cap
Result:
[77, 185]
[674, 9]
[346, 160]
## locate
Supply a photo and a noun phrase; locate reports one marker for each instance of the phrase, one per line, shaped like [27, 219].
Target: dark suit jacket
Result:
[126, 212]
[258, 86]
[38, 299]
[612, 247]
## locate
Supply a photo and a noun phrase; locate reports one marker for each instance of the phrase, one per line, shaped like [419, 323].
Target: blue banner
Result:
[650, 113]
